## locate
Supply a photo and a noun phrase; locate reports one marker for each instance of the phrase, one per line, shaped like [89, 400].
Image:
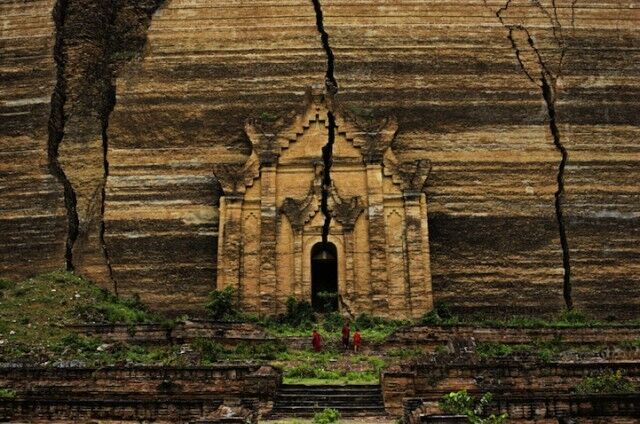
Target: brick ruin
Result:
[483, 153]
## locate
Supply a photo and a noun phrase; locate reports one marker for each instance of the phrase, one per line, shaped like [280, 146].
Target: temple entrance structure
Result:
[271, 223]
[324, 277]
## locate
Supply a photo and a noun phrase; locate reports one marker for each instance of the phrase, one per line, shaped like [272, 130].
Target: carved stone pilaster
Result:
[346, 211]
[410, 175]
[236, 177]
[372, 137]
[265, 144]
[300, 211]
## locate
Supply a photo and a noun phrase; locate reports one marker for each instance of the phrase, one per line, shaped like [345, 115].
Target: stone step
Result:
[328, 404]
[333, 396]
[306, 389]
[345, 411]
[351, 400]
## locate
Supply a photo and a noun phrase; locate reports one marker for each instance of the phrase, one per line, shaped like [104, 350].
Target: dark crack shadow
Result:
[547, 81]
[327, 151]
[56, 125]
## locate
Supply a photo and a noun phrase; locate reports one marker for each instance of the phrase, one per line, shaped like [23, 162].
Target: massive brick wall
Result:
[471, 100]
[208, 67]
[32, 213]
[487, 90]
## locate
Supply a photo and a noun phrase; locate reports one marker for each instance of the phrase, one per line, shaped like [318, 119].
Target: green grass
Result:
[35, 313]
[329, 367]
[443, 316]
[333, 378]
[372, 329]
[405, 352]
[546, 351]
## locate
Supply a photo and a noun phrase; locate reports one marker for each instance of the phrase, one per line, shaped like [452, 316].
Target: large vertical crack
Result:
[548, 92]
[109, 105]
[93, 42]
[547, 81]
[56, 125]
[327, 151]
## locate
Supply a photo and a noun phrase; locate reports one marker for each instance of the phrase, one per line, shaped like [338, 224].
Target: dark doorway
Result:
[324, 277]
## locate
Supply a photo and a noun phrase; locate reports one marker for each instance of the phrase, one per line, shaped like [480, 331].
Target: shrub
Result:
[327, 416]
[366, 321]
[608, 382]
[302, 371]
[333, 322]
[329, 301]
[438, 315]
[461, 403]
[299, 313]
[77, 343]
[222, 305]
[6, 284]
[208, 350]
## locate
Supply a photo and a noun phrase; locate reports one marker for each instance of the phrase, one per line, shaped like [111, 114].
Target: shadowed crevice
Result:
[330, 80]
[547, 83]
[56, 125]
[327, 151]
[549, 97]
[111, 102]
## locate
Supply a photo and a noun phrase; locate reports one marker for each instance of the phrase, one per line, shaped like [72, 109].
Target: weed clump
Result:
[7, 393]
[439, 315]
[299, 313]
[327, 416]
[223, 304]
[609, 382]
[461, 403]
[108, 309]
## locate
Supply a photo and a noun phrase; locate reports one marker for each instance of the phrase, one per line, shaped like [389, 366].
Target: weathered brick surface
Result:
[433, 336]
[33, 223]
[445, 69]
[163, 394]
[550, 409]
[507, 378]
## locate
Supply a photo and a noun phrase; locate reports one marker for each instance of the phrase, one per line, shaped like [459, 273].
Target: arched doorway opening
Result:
[324, 277]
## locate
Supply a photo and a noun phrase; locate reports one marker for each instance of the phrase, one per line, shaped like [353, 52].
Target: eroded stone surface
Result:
[466, 96]
[450, 74]
[181, 111]
[33, 222]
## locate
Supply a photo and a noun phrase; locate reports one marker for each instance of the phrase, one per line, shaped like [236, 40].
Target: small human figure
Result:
[316, 341]
[357, 341]
[346, 332]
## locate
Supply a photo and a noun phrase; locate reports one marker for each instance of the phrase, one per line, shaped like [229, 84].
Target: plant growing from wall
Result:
[462, 403]
[7, 394]
[439, 315]
[608, 382]
[222, 305]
